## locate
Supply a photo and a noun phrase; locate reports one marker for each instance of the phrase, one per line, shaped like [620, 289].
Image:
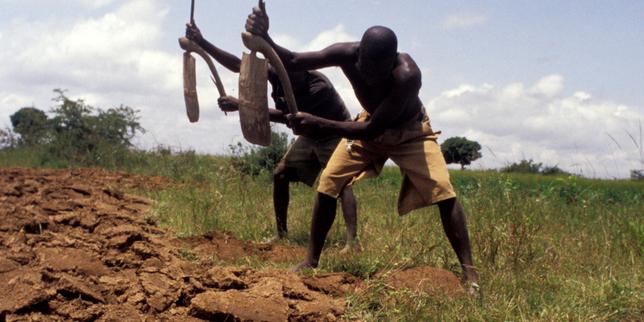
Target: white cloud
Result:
[550, 85]
[95, 3]
[329, 37]
[286, 41]
[543, 124]
[340, 82]
[111, 59]
[464, 20]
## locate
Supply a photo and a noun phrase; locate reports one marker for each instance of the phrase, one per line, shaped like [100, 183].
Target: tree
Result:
[460, 150]
[31, 124]
[90, 136]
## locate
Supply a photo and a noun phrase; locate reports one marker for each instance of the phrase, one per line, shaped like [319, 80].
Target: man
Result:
[305, 158]
[393, 125]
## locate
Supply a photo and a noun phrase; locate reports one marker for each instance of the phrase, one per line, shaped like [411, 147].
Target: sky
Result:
[558, 82]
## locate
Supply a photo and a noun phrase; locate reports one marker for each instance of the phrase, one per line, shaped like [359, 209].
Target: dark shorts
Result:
[308, 157]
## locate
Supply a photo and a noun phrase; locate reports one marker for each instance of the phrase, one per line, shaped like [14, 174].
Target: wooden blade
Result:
[190, 87]
[253, 100]
[255, 43]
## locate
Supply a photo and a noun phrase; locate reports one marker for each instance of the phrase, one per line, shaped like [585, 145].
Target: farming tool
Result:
[253, 101]
[189, 72]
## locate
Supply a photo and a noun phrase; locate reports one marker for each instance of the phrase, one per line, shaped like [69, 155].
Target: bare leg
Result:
[349, 211]
[455, 228]
[323, 217]
[281, 200]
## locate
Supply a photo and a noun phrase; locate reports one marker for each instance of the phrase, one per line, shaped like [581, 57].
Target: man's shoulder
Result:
[318, 82]
[406, 72]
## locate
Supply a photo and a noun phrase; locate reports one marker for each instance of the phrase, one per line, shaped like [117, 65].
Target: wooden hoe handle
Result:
[255, 43]
[190, 46]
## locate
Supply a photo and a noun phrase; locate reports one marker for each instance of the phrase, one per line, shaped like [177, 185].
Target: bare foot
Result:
[351, 247]
[275, 239]
[473, 289]
[471, 281]
[301, 266]
[470, 274]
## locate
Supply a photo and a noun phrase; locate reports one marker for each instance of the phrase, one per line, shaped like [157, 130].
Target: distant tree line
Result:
[462, 151]
[80, 134]
[529, 166]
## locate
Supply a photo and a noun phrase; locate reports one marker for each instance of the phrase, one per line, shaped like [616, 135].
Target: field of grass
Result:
[547, 248]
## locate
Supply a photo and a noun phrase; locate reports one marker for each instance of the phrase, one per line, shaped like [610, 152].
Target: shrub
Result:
[553, 170]
[251, 160]
[529, 166]
[8, 139]
[523, 166]
[76, 134]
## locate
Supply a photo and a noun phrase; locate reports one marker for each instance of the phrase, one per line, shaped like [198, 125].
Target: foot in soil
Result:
[471, 281]
[302, 266]
[473, 289]
[275, 239]
[351, 247]
[470, 274]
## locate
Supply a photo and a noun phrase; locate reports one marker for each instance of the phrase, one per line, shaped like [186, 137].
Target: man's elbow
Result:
[292, 62]
[370, 133]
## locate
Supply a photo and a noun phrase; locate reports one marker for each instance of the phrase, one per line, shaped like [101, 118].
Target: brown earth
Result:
[73, 246]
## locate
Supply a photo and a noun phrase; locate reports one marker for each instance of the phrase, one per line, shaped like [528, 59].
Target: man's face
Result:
[375, 71]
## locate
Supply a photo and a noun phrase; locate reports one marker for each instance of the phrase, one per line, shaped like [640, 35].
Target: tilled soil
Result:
[73, 246]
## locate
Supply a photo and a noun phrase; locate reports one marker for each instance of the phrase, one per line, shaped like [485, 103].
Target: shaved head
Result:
[378, 43]
[378, 54]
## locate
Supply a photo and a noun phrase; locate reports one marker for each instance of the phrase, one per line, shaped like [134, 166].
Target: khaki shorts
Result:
[308, 157]
[412, 147]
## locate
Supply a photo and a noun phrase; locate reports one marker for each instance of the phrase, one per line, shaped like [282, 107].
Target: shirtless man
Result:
[393, 125]
[305, 158]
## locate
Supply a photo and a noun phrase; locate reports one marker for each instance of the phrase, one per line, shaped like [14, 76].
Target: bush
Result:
[529, 166]
[76, 134]
[524, 166]
[8, 139]
[251, 160]
[553, 170]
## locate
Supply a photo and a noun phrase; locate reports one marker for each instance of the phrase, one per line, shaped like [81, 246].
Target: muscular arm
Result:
[405, 90]
[390, 109]
[231, 104]
[225, 58]
[334, 55]
[228, 60]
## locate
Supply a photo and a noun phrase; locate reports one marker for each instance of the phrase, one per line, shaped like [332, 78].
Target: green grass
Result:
[547, 248]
